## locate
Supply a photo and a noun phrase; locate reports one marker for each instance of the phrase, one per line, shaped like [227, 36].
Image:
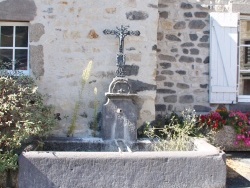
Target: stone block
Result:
[198, 60]
[160, 107]
[193, 37]
[170, 99]
[196, 24]
[21, 10]
[200, 14]
[166, 25]
[200, 108]
[206, 60]
[174, 50]
[167, 58]
[165, 65]
[163, 14]
[171, 37]
[194, 51]
[170, 107]
[187, 44]
[36, 31]
[185, 51]
[159, 36]
[204, 86]
[203, 167]
[160, 5]
[160, 78]
[182, 86]
[188, 14]
[186, 59]
[204, 38]
[169, 84]
[186, 6]
[181, 72]
[37, 60]
[203, 45]
[167, 91]
[186, 99]
[167, 72]
[137, 15]
[180, 25]
[152, 6]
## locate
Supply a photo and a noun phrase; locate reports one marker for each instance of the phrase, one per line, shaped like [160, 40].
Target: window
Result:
[244, 59]
[14, 46]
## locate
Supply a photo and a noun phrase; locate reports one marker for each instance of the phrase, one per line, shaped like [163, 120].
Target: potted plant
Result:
[231, 128]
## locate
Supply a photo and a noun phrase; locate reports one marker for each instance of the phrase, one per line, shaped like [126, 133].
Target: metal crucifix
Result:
[121, 33]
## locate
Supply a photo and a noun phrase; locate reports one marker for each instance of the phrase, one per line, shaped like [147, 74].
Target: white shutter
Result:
[223, 57]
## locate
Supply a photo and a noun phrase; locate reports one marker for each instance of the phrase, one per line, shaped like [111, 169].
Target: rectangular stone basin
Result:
[204, 167]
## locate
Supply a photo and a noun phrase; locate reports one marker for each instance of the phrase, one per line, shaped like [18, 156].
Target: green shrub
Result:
[22, 116]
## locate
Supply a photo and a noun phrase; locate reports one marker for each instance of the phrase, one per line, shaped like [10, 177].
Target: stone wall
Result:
[66, 35]
[183, 56]
[183, 53]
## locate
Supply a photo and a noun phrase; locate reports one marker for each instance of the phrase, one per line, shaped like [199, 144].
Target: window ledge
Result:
[244, 98]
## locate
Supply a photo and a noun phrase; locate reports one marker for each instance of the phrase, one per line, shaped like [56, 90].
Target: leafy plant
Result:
[85, 78]
[158, 124]
[213, 120]
[177, 134]
[23, 116]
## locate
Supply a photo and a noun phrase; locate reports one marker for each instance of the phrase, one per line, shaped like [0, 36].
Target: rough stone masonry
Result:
[183, 52]
[183, 56]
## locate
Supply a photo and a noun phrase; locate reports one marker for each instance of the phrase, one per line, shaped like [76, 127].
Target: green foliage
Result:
[85, 78]
[174, 133]
[22, 116]
[8, 160]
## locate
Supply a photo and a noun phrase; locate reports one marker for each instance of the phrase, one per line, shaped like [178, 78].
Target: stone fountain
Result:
[81, 163]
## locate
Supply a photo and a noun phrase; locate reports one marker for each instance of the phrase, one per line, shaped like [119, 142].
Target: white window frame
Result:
[242, 98]
[14, 24]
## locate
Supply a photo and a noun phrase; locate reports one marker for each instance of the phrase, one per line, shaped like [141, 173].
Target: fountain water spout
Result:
[122, 146]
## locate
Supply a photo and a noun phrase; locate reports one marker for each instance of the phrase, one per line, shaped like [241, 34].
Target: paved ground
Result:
[238, 169]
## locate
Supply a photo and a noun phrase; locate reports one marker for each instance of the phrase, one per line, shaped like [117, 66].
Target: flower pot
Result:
[9, 179]
[226, 139]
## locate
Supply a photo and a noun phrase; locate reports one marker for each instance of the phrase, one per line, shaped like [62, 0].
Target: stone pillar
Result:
[120, 113]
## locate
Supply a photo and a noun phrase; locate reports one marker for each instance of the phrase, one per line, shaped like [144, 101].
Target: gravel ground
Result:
[238, 169]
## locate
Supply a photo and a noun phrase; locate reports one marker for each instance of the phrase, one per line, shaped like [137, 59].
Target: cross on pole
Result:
[121, 33]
